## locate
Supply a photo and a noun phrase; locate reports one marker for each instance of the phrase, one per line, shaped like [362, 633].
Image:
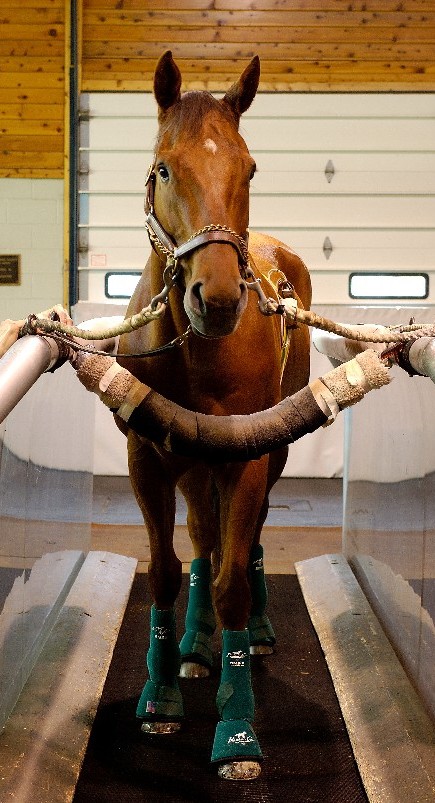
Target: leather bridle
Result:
[213, 233]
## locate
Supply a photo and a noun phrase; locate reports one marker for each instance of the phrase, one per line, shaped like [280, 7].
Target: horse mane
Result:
[185, 117]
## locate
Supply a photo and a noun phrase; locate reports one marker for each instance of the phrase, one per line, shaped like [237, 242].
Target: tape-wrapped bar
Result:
[234, 437]
[226, 438]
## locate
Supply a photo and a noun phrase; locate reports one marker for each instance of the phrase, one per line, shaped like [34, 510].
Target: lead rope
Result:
[268, 306]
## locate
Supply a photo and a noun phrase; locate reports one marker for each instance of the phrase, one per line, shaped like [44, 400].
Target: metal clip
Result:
[267, 306]
[170, 275]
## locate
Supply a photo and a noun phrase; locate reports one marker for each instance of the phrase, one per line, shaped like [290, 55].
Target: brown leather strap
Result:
[152, 222]
[204, 238]
[212, 233]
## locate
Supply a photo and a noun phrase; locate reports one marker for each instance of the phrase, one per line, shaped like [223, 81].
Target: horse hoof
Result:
[240, 771]
[261, 649]
[189, 669]
[160, 727]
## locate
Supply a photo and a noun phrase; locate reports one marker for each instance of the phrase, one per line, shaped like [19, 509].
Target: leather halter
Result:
[213, 233]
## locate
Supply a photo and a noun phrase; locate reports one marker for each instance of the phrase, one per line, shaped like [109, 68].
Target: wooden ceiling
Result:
[32, 88]
[304, 45]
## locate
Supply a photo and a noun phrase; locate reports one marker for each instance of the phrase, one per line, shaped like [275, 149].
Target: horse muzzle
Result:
[214, 314]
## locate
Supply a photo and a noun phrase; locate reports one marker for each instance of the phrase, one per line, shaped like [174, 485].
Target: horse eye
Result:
[163, 172]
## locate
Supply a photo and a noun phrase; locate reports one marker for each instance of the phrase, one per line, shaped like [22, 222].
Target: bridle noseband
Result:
[213, 233]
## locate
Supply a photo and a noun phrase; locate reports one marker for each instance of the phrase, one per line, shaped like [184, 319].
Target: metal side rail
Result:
[44, 740]
[392, 737]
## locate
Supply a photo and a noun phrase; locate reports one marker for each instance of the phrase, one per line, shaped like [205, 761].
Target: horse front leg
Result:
[261, 634]
[236, 748]
[160, 707]
[196, 646]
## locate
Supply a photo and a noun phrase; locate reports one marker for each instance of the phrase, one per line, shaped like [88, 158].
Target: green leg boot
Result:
[196, 644]
[235, 739]
[261, 632]
[161, 699]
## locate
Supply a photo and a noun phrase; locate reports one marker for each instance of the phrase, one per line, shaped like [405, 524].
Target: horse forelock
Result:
[185, 118]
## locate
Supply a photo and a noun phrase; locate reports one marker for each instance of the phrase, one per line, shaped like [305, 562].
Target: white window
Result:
[389, 285]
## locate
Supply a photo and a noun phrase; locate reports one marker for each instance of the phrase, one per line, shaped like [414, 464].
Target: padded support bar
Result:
[247, 437]
[235, 437]
[225, 438]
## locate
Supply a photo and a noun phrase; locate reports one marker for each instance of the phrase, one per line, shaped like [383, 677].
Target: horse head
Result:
[199, 183]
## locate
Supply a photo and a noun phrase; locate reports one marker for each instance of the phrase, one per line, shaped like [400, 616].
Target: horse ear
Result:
[167, 82]
[240, 96]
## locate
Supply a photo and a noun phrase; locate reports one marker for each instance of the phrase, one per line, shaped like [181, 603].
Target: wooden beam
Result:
[31, 16]
[24, 160]
[23, 111]
[262, 5]
[38, 144]
[34, 95]
[47, 81]
[30, 172]
[23, 32]
[101, 56]
[118, 22]
[27, 47]
[36, 64]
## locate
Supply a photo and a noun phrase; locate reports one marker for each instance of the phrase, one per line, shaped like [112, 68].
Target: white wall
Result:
[31, 224]
[377, 211]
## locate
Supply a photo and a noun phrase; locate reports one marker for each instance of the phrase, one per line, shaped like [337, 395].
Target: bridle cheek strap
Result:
[213, 233]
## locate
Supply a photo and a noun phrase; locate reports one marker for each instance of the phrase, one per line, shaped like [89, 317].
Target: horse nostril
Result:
[197, 301]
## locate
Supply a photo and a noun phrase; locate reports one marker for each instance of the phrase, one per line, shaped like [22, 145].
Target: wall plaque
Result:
[10, 269]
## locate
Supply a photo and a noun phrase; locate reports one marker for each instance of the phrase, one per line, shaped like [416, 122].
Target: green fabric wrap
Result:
[259, 626]
[235, 737]
[160, 703]
[196, 644]
[161, 698]
[235, 740]
[235, 699]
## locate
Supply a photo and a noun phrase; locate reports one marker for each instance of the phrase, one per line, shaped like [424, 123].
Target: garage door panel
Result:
[343, 182]
[341, 105]
[349, 211]
[348, 135]
[277, 105]
[281, 210]
[376, 211]
[291, 134]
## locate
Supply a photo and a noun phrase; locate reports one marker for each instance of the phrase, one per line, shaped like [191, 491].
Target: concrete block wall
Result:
[31, 224]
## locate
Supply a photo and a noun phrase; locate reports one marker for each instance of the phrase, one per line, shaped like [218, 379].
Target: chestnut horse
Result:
[225, 360]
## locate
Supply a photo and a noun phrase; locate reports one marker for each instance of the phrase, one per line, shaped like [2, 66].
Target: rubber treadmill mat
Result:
[307, 753]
